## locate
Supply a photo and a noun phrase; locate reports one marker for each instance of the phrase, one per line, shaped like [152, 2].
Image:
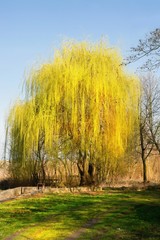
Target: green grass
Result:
[115, 215]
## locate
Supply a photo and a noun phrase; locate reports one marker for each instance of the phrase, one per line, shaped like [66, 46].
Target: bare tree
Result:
[149, 123]
[149, 49]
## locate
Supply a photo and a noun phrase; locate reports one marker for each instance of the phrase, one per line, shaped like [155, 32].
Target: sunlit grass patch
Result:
[47, 230]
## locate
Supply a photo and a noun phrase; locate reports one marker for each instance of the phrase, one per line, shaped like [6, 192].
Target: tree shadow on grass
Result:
[148, 212]
[149, 215]
[131, 216]
[142, 219]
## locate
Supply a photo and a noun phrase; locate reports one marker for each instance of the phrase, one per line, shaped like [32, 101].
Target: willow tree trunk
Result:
[86, 170]
[43, 171]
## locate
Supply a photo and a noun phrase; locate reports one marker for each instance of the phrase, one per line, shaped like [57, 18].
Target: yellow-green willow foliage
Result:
[83, 95]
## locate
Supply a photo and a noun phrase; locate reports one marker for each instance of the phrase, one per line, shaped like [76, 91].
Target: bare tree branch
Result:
[149, 49]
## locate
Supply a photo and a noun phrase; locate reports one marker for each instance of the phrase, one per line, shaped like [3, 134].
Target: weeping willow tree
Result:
[83, 103]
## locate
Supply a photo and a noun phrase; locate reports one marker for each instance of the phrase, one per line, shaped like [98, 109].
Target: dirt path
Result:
[88, 225]
[16, 234]
[76, 234]
[83, 229]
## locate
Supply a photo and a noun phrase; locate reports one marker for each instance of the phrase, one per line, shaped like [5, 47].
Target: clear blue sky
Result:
[31, 29]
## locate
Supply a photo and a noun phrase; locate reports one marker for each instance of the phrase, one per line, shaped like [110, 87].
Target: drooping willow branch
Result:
[84, 95]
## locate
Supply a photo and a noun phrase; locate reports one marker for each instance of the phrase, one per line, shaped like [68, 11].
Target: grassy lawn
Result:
[111, 215]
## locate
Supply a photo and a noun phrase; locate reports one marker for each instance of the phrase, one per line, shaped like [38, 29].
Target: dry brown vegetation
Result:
[68, 175]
